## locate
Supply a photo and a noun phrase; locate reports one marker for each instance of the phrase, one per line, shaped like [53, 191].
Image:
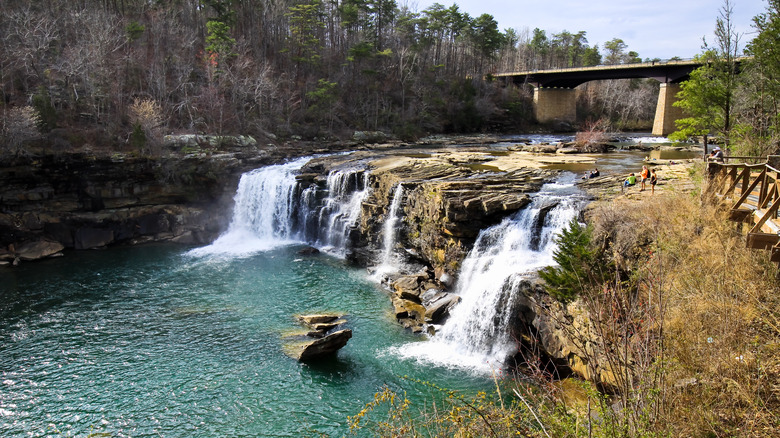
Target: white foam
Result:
[240, 243]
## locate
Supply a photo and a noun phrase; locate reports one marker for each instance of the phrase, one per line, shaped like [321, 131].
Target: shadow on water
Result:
[335, 369]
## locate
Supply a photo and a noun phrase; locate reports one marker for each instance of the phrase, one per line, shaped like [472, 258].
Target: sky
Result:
[652, 28]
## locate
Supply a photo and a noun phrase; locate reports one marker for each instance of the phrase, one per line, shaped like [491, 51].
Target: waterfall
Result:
[387, 262]
[273, 209]
[265, 203]
[477, 333]
[347, 189]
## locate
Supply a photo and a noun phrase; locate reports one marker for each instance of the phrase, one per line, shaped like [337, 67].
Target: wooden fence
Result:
[753, 193]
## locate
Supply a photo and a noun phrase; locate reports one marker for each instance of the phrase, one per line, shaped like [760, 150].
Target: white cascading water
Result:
[476, 336]
[264, 204]
[387, 262]
[347, 189]
[272, 210]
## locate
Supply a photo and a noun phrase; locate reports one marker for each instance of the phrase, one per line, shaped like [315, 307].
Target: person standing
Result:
[643, 177]
[653, 181]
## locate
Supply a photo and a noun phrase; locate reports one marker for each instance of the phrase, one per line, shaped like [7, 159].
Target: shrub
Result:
[18, 125]
[147, 120]
[594, 137]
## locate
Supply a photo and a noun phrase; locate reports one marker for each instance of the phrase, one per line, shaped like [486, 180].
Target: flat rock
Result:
[318, 318]
[327, 326]
[38, 250]
[318, 348]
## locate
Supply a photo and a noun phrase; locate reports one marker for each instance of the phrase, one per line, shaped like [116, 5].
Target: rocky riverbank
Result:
[449, 194]
[84, 202]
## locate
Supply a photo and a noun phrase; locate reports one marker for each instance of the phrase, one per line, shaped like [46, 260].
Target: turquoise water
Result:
[151, 341]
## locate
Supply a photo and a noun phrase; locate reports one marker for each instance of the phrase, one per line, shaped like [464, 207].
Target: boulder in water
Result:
[308, 251]
[38, 250]
[318, 318]
[318, 341]
[318, 348]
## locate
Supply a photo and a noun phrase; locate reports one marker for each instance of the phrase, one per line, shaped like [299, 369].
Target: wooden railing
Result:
[752, 192]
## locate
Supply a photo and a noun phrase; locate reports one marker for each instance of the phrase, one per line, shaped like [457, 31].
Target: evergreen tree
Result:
[580, 263]
[707, 96]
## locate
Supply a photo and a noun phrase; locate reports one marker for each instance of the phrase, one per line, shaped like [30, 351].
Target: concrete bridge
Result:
[555, 99]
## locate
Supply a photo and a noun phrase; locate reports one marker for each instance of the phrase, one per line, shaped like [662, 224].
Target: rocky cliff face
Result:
[448, 198]
[82, 202]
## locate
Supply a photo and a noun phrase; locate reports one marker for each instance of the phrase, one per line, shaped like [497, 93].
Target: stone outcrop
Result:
[320, 340]
[196, 141]
[419, 299]
[84, 202]
[33, 250]
[562, 337]
[449, 196]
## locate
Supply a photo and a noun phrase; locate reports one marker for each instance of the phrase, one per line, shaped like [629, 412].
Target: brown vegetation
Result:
[689, 321]
[317, 69]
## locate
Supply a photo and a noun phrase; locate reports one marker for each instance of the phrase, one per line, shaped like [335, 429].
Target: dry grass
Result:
[722, 328]
[704, 343]
[719, 303]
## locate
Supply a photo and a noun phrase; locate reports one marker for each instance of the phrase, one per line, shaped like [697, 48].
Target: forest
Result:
[123, 73]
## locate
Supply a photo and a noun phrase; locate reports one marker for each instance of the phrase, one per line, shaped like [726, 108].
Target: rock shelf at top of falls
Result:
[450, 195]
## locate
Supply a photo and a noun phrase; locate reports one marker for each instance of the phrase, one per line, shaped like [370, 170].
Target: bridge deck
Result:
[662, 71]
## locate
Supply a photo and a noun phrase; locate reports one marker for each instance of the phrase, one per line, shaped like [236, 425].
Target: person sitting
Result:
[630, 181]
[594, 173]
[716, 155]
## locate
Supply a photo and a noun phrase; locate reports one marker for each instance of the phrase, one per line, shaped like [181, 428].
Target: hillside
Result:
[680, 319]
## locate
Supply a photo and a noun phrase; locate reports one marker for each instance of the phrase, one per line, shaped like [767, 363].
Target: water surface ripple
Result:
[150, 341]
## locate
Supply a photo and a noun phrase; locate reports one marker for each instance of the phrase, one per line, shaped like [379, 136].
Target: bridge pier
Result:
[665, 113]
[552, 104]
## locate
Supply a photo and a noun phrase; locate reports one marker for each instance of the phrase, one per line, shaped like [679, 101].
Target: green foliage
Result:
[361, 50]
[703, 97]
[323, 97]
[580, 263]
[615, 49]
[322, 102]
[486, 36]
[134, 30]
[305, 24]
[707, 96]
[47, 114]
[591, 56]
[138, 138]
[218, 40]
[325, 91]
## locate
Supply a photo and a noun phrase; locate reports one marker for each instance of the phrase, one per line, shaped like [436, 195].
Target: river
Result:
[152, 341]
[164, 340]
